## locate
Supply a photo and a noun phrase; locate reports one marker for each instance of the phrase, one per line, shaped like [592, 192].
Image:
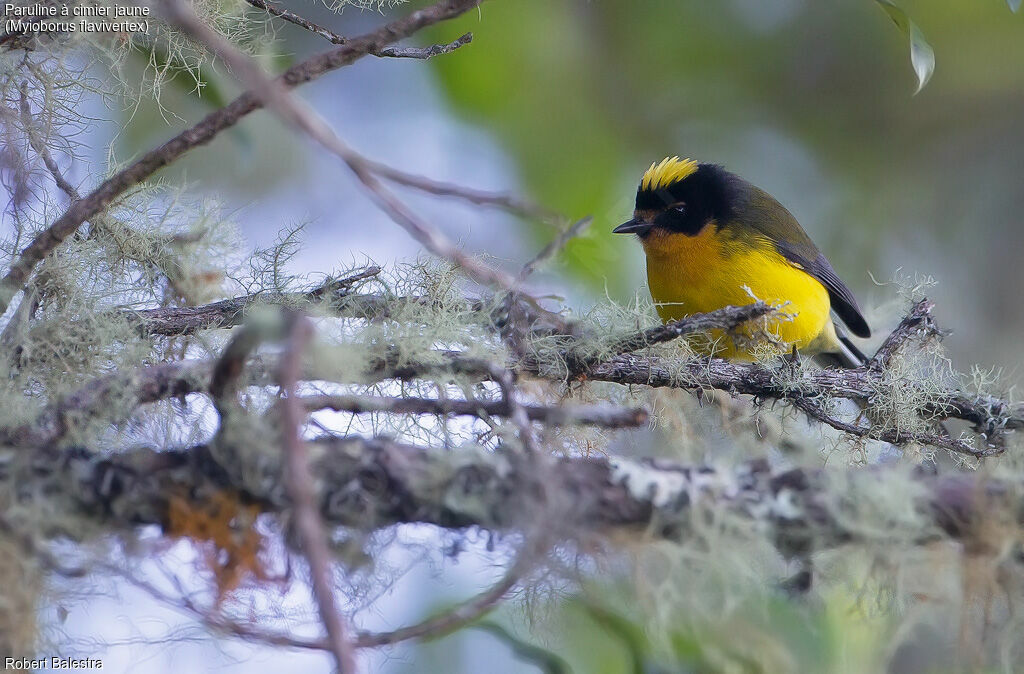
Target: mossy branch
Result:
[807, 389]
[181, 321]
[371, 483]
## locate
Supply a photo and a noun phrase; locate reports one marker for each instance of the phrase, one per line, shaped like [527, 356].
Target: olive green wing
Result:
[766, 215]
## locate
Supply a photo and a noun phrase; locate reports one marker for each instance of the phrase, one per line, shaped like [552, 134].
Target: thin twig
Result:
[518, 206]
[40, 147]
[423, 53]
[447, 622]
[892, 436]
[726, 318]
[516, 411]
[335, 287]
[557, 244]
[299, 482]
[212, 618]
[580, 355]
[334, 38]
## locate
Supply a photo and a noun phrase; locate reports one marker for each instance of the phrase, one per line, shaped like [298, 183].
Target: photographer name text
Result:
[54, 662]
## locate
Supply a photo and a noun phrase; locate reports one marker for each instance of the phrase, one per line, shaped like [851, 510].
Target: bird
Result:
[712, 239]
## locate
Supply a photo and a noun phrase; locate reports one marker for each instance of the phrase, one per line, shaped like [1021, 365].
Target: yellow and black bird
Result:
[712, 240]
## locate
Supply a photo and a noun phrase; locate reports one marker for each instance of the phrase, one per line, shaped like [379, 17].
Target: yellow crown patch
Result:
[669, 170]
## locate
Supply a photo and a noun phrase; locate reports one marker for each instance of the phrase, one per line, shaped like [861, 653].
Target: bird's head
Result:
[681, 196]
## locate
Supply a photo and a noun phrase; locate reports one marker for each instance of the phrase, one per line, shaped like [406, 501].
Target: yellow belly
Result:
[692, 274]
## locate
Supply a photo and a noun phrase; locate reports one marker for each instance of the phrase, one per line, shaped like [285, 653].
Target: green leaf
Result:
[922, 58]
[1014, 5]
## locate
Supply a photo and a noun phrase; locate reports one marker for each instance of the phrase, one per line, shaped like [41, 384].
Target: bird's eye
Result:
[678, 208]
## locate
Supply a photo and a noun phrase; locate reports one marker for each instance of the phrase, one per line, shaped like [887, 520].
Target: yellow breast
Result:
[691, 274]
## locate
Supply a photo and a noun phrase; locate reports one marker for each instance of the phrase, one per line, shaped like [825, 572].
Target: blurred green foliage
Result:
[770, 633]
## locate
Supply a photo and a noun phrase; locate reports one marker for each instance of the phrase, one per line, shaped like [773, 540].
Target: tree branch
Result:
[917, 322]
[227, 371]
[606, 416]
[94, 400]
[179, 321]
[860, 384]
[423, 53]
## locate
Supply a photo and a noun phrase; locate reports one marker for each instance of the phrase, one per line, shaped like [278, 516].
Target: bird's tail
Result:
[845, 355]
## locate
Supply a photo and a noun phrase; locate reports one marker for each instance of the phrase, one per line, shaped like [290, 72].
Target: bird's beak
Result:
[634, 226]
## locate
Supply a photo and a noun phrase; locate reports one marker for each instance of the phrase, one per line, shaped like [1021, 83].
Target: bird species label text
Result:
[53, 19]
